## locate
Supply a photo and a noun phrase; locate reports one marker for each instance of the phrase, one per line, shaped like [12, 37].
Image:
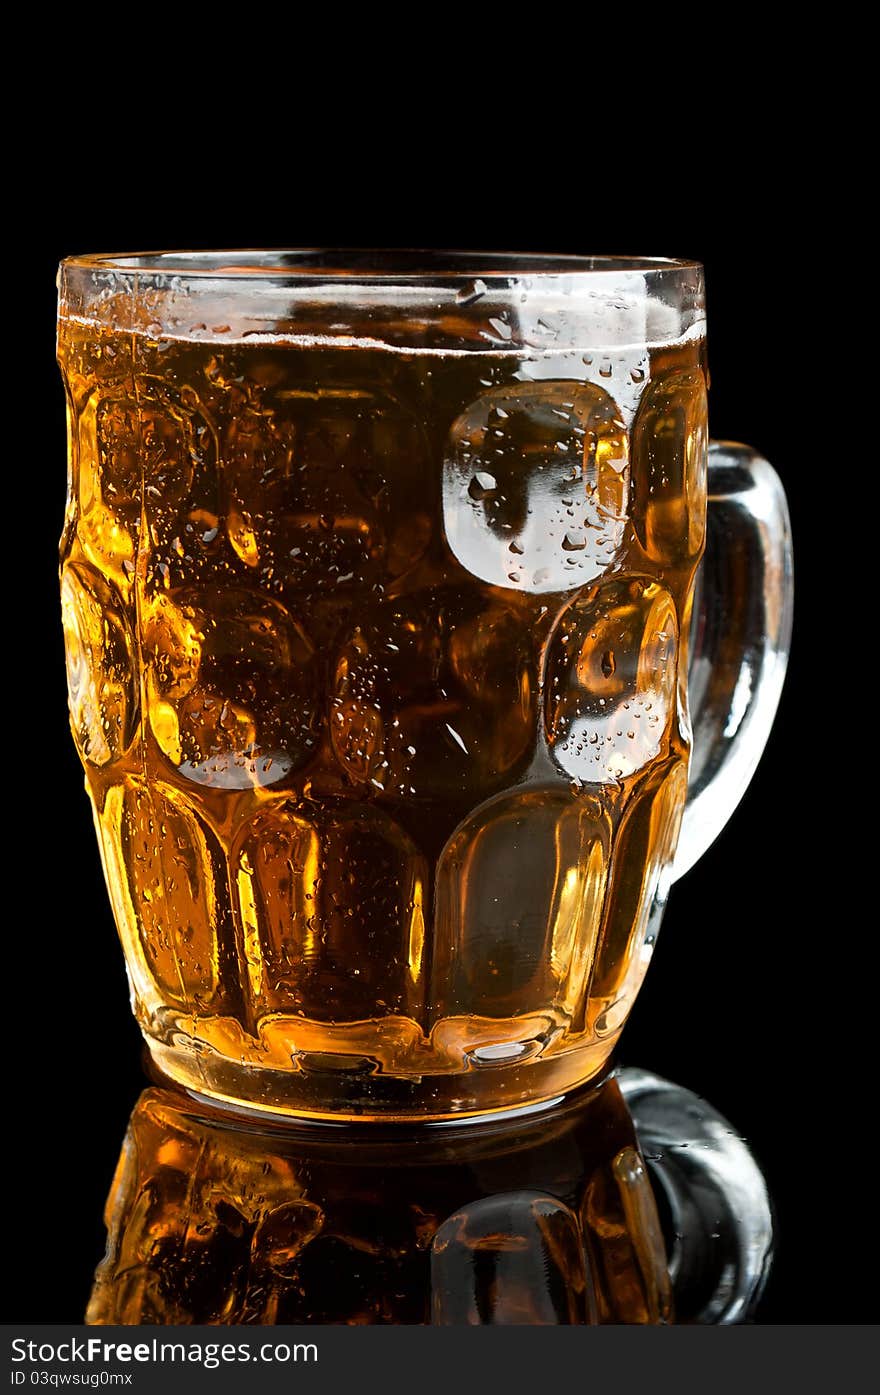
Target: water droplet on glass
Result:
[502, 330]
[574, 541]
[482, 485]
[456, 738]
[468, 294]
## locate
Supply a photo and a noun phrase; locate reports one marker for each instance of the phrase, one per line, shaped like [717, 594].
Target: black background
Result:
[752, 999]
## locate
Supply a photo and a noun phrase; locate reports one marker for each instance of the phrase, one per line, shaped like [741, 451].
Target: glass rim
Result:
[304, 265]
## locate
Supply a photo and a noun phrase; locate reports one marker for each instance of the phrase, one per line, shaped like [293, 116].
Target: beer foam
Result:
[286, 339]
[549, 316]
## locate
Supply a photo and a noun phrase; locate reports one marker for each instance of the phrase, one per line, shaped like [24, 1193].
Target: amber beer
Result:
[377, 671]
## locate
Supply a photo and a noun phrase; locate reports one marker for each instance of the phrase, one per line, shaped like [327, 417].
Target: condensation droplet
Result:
[468, 294]
[501, 328]
[482, 485]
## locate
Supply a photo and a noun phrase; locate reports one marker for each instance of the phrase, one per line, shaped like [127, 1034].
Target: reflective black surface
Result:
[545, 1218]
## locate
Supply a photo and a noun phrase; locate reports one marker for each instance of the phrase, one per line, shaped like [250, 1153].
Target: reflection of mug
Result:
[377, 580]
[549, 1219]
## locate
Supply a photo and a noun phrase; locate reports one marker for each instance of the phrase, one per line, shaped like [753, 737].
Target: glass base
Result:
[346, 1096]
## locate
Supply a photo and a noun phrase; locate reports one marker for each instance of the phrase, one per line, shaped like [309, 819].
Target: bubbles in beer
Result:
[434, 695]
[232, 685]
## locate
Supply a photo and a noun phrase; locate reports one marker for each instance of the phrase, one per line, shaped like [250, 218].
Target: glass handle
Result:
[720, 1218]
[740, 638]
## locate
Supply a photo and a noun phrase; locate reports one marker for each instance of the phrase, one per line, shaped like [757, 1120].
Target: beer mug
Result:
[397, 711]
